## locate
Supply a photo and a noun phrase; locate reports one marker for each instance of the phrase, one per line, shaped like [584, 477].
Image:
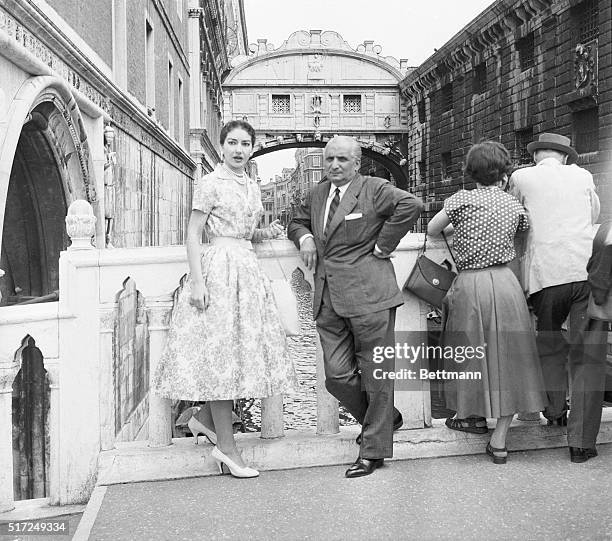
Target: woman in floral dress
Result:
[226, 340]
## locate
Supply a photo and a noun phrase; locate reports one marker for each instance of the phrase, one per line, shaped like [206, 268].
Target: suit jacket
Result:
[359, 282]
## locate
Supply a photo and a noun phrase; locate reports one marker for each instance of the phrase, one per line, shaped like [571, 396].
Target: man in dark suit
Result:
[346, 231]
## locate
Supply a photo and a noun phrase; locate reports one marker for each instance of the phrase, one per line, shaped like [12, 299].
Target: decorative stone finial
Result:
[80, 225]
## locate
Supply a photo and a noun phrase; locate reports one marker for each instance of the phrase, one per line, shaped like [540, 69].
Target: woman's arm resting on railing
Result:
[440, 222]
[270, 232]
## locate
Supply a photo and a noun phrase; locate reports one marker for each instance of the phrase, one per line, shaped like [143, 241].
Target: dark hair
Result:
[487, 162]
[232, 125]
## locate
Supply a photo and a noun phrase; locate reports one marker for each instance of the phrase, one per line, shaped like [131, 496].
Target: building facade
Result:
[117, 103]
[519, 69]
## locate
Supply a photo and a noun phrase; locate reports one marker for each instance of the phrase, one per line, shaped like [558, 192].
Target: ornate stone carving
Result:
[109, 181]
[315, 63]
[584, 65]
[80, 225]
[51, 59]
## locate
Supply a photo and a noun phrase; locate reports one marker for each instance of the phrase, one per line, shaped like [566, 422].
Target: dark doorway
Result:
[30, 426]
[33, 232]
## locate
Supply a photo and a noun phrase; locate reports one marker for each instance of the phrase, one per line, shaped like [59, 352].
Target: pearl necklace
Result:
[240, 179]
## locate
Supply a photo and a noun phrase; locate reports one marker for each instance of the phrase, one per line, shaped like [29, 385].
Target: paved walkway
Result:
[537, 495]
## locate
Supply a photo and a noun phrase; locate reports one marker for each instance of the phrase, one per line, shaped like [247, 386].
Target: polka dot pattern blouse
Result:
[485, 221]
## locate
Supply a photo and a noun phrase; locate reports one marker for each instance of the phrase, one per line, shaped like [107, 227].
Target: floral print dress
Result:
[236, 348]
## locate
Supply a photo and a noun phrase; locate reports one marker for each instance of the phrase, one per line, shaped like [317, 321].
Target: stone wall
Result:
[510, 75]
[152, 196]
[90, 20]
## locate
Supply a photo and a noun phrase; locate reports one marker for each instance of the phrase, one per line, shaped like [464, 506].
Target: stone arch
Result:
[46, 165]
[386, 154]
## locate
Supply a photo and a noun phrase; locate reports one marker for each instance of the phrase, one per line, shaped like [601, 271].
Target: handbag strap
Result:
[449, 249]
[447, 246]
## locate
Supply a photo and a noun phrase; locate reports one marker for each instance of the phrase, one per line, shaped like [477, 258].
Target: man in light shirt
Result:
[346, 231]
[563, 207]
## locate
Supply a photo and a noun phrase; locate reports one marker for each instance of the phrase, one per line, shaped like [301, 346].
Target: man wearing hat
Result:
[563, 206]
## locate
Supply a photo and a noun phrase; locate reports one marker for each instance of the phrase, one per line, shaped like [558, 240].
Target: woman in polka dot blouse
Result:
[485, 315]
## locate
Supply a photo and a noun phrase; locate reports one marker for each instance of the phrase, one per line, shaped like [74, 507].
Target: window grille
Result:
[421, 111]
[422, 169]
[479, 81]
[447, 97]
[525, 47]
[586, 16]
[586, 130]
[446, 166]
[281, 104]
[352, 103]
[521, 139]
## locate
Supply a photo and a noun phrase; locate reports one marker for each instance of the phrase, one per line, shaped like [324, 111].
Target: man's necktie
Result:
[332, 210]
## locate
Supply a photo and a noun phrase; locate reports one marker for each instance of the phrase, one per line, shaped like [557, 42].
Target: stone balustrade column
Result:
[52, 366]
[160, 410]
[272, 424]
[107, 399]
[8, 371]
[327, 405]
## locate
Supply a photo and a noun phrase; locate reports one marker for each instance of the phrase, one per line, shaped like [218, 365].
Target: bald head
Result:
[343, 140]
[342, 157]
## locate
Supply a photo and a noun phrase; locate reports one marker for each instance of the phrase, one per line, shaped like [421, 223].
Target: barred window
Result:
[479, 81]
[281, 103]
[421, 110]
[521, 139]
[352, 103]
[586, 16]
[422, 165]
[447, 97]
[525, 47]
[586, 130]
[446, 166]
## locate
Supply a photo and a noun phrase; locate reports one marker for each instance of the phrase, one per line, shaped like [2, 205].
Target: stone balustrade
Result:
[78, 339]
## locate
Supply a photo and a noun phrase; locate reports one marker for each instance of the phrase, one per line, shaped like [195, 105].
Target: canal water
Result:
[300, 409]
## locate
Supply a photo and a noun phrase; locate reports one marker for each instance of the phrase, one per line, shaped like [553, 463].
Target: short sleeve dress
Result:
[485, 308]
[236, 348]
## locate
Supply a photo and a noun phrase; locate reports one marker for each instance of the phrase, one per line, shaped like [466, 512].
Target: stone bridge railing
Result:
[101, 341]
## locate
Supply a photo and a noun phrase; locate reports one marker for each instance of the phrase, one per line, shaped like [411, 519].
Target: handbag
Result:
[428, 280]
[286, 304]
[600, 311]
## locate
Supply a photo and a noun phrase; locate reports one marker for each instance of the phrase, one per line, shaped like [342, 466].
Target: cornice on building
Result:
[487, 30]
[51, 52]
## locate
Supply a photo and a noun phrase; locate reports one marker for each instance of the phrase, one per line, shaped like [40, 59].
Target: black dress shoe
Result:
[560, 421]
[582, 454]
[363, 466]
[398, 421]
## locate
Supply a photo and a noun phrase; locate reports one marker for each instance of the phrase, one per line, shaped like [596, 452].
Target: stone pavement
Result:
[538, 494]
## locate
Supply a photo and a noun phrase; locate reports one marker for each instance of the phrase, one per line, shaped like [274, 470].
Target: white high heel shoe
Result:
[235, 470]
[197, 427]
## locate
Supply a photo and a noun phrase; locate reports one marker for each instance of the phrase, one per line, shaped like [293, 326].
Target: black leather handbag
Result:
[428, 280]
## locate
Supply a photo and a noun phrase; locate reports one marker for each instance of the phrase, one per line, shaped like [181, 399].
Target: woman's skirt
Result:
[236, 348]
[487, 323]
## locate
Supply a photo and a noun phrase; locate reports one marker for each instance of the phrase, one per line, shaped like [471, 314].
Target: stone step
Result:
[135, 461]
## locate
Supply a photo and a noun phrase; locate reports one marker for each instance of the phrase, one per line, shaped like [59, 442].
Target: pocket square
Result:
[354, 216]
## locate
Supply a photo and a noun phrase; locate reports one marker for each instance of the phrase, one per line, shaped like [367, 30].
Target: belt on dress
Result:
[231, 241]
